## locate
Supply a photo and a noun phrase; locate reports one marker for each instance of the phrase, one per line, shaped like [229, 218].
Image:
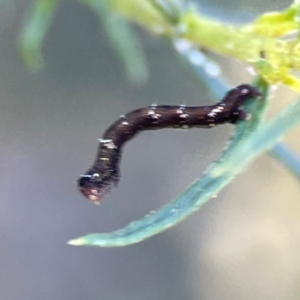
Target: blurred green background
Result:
[244, 244]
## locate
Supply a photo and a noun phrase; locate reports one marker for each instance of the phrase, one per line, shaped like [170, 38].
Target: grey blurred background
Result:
[244, 244]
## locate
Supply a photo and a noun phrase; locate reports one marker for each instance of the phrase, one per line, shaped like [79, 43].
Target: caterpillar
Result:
[104, 174]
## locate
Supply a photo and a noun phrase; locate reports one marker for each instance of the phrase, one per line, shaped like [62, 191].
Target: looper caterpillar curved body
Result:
[104, 174]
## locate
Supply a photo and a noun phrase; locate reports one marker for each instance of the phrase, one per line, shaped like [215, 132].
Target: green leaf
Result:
[122, 39]
[218, 175]
[33, 32]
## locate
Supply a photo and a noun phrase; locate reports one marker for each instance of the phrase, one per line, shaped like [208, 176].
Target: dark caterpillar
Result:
[104, 174]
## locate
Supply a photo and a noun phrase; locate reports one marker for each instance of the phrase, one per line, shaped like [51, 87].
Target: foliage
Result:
[259, 43]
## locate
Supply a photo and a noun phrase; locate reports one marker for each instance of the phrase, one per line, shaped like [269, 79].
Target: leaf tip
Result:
[77, 242]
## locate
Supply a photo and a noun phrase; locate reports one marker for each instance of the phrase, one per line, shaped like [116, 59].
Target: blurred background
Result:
[244, 244]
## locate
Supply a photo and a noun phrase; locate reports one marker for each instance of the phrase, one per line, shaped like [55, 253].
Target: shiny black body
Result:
[104, 173]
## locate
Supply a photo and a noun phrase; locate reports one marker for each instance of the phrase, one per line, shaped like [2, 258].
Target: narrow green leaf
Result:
[213, 180]
[122, 39]
[34, 30]
[287, 157]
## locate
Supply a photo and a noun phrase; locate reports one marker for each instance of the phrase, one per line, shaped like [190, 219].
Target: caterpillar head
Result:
[94, 186]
